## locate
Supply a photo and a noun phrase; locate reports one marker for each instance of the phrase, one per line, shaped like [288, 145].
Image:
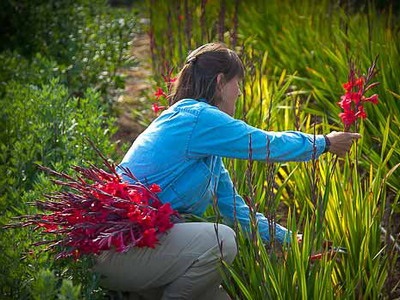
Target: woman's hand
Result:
[340, 142]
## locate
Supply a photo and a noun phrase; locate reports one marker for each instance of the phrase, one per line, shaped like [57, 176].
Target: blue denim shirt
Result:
[182, 152]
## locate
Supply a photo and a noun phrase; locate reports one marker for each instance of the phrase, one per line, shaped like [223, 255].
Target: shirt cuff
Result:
[327, 144]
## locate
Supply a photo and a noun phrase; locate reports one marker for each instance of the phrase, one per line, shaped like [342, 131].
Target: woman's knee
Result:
[227, 242]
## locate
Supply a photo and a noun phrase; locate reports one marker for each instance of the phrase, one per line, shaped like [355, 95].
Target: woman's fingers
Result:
[340, 142]
[354, 135]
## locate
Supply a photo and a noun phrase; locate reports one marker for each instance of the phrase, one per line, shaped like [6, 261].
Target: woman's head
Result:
[205, 73]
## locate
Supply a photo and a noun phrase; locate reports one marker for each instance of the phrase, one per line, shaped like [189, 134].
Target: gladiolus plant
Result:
[352, 102]
[161, 94]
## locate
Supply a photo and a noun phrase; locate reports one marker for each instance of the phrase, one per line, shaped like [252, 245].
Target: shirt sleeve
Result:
[232, 207]
[216, 133]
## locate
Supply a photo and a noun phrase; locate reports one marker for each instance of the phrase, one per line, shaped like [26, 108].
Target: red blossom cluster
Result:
[160, 94]
[352, 102]
[100, 211]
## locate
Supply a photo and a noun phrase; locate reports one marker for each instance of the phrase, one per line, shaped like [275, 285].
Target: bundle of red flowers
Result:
[352, 102]
[100, 211]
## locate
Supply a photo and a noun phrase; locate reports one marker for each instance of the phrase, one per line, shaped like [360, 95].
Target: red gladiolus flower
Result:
[155, 188]
[352, 102]
[160, 93]
[167, 76]
[157, 108]
[148, 239]
[373, 99]
[348, 117]
[345, 104]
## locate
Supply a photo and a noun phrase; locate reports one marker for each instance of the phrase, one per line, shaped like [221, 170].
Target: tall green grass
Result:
[296, 55]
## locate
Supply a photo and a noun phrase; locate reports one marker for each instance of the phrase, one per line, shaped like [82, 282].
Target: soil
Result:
[134, 97]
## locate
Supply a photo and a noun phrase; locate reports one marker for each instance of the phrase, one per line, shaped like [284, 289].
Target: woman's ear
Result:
[220, 80]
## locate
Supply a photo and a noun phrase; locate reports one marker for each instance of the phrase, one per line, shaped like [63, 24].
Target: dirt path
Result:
[134, 98]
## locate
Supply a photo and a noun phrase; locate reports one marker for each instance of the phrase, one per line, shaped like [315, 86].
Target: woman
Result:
[182, 151]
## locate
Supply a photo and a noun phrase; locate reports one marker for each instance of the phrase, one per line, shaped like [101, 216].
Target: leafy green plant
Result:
[52, 102]
[88, 41]
[44, 127]
[44, 287]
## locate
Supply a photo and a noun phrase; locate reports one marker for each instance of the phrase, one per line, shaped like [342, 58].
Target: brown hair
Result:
[198, 77]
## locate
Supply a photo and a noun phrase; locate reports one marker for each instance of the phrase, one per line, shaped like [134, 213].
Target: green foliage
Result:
[88, 41]
[190, 23]
[296, 55]
[61, 68]
[323, 47]
[68, 291]
[95, 52]
[44, 126]
[44, 286]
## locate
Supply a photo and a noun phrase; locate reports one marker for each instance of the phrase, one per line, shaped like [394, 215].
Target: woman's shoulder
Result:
[193, 106]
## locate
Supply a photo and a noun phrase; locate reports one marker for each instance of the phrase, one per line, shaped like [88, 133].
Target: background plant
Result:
[297, 55]
[61, 68]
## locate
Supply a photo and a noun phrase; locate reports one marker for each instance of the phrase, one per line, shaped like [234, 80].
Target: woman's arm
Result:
[232, 207]
[216, 133]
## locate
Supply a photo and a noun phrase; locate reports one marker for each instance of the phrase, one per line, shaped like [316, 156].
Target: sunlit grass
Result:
[296, 55]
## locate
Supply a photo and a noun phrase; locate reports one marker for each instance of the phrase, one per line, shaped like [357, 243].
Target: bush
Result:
[43, 126]
[61, 68]
[88, 41]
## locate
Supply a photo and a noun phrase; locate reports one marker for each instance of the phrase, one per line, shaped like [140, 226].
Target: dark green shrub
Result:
[61, 65]
[41, 124]
[88, 41]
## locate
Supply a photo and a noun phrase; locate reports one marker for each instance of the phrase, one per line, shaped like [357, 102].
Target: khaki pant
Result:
[185, 265]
